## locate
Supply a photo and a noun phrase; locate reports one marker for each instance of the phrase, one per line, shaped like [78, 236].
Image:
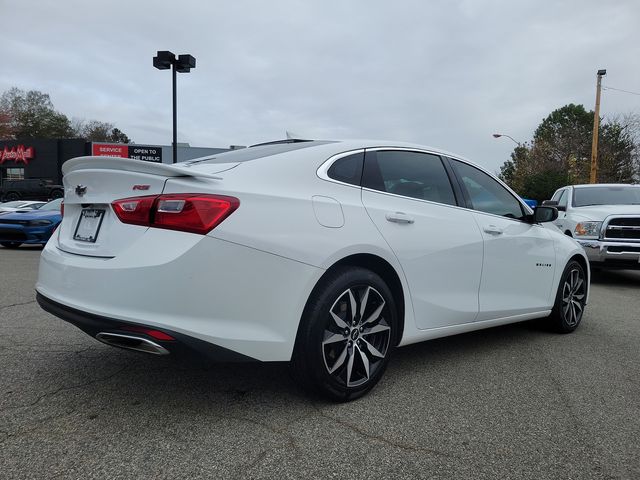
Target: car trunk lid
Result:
[90, 226]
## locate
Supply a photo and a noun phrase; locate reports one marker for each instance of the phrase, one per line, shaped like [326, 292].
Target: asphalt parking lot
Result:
[509, 402]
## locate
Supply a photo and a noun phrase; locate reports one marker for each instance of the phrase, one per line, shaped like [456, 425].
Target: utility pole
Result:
[596, 127]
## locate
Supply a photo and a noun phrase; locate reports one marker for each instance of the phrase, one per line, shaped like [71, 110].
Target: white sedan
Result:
[18, 205]
[326, 254]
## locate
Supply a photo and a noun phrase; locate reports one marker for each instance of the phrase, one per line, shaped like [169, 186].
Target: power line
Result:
[620, 90]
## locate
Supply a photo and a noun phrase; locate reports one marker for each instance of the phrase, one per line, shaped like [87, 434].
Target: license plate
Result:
[89, 225]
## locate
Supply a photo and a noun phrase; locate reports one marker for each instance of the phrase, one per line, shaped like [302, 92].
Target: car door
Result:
[519, 257]
[410, 198]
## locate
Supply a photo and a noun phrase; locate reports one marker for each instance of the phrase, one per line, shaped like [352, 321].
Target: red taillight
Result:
[136, 210]
[62, 209]
[157, 334]
[186, 212]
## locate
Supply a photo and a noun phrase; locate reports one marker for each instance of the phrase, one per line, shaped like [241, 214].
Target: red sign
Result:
[17, 154]
[110, 150]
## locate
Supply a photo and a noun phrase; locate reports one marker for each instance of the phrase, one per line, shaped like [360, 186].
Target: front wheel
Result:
[570, 299]
[346, 335]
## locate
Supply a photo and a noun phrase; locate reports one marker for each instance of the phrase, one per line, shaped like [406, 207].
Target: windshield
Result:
[52, 205]
[607, 195]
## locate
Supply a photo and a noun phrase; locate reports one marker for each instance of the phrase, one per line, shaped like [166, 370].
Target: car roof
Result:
[329, 147]
[592, 185]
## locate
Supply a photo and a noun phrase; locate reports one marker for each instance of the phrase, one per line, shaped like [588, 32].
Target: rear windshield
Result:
[52, 205]
[606, 195]
[253, 153]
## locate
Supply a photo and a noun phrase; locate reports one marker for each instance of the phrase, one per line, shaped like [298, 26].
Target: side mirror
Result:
[553, 203]
[545, 214]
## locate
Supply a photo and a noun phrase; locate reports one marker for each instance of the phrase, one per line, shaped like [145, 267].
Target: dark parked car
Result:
[30, 189]
[32, 227]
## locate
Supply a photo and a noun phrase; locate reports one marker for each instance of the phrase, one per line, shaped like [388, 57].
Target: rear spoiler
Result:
[129, 165]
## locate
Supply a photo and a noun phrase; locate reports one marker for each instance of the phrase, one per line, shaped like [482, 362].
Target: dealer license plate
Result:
[89, 225]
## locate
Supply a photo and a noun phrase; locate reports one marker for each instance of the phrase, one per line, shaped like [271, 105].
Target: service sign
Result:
[110, 150]
[145, 152]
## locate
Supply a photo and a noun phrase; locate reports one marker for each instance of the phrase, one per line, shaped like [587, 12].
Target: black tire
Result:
[10, 244]
[571, 296]
[342, 352]
[56, 193]
[11, 197]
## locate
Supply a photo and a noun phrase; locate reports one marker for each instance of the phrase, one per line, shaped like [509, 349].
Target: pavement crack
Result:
[65, 389]
[80, 385]
[2, 307]
[379, 438]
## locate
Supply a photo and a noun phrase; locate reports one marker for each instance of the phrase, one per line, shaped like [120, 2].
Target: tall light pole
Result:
[596, 127]
[498, 135]
[183, 64]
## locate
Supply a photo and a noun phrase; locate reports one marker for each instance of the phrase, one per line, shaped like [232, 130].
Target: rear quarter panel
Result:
[276, 215]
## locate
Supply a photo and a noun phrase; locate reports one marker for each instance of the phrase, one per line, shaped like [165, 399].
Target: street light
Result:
[498, 135]
[183, 64]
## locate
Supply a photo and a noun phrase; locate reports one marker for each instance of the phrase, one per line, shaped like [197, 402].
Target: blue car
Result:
[30, 226]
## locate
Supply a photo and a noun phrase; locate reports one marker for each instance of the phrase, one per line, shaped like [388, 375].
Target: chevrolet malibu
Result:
[325, 254]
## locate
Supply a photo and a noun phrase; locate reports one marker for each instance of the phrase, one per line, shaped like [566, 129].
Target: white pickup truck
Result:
[604, 219]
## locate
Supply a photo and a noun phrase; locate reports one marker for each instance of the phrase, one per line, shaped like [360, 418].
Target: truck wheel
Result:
[11, 197]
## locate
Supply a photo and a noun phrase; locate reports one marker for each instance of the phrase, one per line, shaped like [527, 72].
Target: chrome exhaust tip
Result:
[131, 342]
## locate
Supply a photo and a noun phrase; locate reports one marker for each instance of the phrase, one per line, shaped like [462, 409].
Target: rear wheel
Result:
[570, 299]
[11, 197]
[10, 244]
[57, 193]
[346, 335]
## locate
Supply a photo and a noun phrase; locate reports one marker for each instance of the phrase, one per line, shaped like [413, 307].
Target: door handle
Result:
[399, 217]
[493, 230]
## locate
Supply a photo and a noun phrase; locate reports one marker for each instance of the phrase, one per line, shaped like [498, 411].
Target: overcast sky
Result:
[440, 73]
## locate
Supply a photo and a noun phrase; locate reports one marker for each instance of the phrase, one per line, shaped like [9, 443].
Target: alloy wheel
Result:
[573, 297]
[356, 336]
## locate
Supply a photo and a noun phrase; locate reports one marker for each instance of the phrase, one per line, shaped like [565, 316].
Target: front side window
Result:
[410, 174]
[562, 201]
[486, 194]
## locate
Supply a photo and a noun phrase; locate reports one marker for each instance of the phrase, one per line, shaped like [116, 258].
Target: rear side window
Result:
[410, 174]
[486, 194]
[347, 169]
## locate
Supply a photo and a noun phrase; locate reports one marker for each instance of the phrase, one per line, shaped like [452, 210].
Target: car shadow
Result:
[192, 382]
[629, 278]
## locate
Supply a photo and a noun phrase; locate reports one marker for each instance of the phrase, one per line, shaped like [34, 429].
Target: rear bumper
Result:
[94, 324]
[606, 254]
[231, 296]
